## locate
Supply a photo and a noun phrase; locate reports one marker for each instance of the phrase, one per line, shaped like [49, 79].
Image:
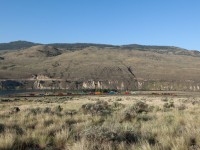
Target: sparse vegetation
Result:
[99, 108]
[61, 64]
[99, 123]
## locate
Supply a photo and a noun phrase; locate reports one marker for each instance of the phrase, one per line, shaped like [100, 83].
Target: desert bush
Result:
[48, 122]
[169, 119]
[71, 112]
[47, 110]
[31, 125]
[58, 108]
[98, 108]
[165, 99]
[140, 107]
[150, 138]
[157, 108]
[70, 122]
[19, 130]
[102, 134]
[5, 100]
[130, 113]
[35, 111]
[97, 121]
[127, 115]
[17, 99]
[144, 117]
[195, 102]
[26, 144]
[154, 108]
[15, 110]
[181, 107]
[2, 128]
[192, 141]
[119, 99]
[117, 105]
[168, 105]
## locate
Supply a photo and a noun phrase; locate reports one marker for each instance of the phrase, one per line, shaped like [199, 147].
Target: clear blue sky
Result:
[150, 22]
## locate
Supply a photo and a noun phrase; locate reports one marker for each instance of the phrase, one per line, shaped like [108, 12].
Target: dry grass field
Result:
[100, 123]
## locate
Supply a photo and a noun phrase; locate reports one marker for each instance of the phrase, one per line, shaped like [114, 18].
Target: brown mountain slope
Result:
[36, 51]
[108, 67]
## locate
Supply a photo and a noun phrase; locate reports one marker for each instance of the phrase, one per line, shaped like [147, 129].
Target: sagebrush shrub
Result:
[2, 128]
[98, 108]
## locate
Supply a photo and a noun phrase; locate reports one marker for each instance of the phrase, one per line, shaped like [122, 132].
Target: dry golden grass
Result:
[100, 123]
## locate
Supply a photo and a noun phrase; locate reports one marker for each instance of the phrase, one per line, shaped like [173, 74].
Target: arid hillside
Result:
[93, 66]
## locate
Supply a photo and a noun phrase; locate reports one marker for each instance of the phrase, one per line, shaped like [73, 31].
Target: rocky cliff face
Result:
[101, 84]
